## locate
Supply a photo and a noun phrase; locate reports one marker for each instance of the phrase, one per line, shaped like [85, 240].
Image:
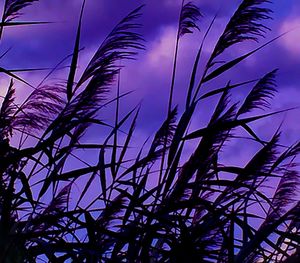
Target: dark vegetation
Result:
[161, 205]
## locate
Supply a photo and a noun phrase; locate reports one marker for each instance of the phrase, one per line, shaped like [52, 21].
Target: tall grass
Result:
[163, 205]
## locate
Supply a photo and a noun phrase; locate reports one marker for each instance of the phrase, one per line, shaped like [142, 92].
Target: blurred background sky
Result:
[150, 75]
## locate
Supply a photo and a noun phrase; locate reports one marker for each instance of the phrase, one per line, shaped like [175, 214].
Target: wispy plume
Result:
[189, 17]
[12, 8]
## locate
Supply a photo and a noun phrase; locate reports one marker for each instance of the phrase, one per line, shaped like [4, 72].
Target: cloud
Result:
[292, 39]
[161, 51]
[173, 3]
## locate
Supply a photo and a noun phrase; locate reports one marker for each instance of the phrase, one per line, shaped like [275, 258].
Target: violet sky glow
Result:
[149, 76]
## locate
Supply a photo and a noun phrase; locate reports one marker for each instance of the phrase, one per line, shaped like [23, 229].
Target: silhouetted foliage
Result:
[169, 201]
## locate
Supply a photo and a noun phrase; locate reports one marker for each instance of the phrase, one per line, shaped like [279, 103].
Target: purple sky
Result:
[150, 75]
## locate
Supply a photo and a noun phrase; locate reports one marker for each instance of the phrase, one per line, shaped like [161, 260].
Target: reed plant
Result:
[173, 199]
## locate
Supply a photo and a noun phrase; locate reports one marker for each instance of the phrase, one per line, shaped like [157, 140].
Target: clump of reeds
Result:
[163, 205]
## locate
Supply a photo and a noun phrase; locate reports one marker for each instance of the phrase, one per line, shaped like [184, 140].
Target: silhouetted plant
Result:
[164, 205]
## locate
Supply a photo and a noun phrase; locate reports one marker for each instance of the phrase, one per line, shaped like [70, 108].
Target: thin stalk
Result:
[114, 152]
[2, 19]
[192, 81]
[170, 101]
